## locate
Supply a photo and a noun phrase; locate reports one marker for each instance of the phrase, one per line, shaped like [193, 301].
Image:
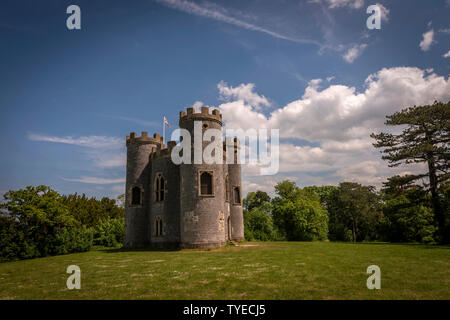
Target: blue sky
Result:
[69, 97]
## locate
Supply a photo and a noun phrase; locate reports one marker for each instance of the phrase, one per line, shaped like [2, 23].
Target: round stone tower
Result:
[202, 216]
[137, 190]
[235, 180]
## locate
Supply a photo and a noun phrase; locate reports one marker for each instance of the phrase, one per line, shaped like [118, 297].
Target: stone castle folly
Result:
[183, 205]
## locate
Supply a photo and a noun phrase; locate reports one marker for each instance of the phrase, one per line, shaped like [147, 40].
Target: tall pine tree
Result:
[425, 139]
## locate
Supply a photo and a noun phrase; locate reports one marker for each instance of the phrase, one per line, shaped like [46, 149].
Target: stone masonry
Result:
[186, 205]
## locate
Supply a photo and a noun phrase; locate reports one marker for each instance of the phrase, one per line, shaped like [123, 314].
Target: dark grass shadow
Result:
[141, 249]
[409, 244]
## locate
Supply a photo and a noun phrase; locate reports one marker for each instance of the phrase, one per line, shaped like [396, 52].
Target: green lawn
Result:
[254, 270]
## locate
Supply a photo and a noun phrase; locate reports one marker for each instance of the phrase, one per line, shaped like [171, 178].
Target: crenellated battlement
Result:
[203, 115]
[163, 153]
[145, 139]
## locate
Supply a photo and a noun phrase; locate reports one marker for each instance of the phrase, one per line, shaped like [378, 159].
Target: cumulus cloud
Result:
[330, 126]
[354, 52]
[243, 92]
[447, 55]
[339, 112]
[427, 40]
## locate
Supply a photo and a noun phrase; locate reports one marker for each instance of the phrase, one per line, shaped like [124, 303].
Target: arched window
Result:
[135, 196]
[160, 187]
[206, 183]
[227, 189]
[237, 195]
[158, 226]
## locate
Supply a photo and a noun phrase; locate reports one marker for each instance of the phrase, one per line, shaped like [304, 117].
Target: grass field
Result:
[254, 270]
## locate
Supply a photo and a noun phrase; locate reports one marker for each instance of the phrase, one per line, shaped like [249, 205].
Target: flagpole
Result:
[164, 131]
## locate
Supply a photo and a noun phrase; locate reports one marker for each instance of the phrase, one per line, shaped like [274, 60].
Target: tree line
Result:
[408, 208]
[38, 221]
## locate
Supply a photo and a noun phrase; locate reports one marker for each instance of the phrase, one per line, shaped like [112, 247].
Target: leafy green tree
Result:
[408, 215]
[255, 199]
[298, 213]
[39, 213]
[38, 221]
[258, 223]
[424, 139]
[110, 233]
[325, 193]
[90, 212]
[356, 208]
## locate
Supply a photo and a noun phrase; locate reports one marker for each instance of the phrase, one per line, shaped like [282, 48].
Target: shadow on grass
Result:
[422, 245]
[122, 249]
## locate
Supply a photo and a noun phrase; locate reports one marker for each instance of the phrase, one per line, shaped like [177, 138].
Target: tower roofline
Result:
[202, 115]
[144, 139]
[164, 152]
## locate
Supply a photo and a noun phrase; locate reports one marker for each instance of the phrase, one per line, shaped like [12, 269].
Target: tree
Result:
[38, 221]
[407, 216]
[425, 139]
[90, 212]
[39, 214]
[354, 207]
[255, 199]
[258, 223]
[298, 213]
[325, 194]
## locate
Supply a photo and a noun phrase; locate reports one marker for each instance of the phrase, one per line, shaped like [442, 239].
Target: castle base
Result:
[203, 245]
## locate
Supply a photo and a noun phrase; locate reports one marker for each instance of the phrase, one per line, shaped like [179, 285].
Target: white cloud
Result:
[384, 12]
[243, 92]
[218, 13]
[339, 112]
[354, 4]
[336, 121]
[447, 55]
[103, 151]
[86, 141]
[197, 105]
[354, 52]
[95, 180]
[427, 40]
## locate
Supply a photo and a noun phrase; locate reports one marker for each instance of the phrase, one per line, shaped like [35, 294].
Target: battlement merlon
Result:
[164, 152]
[145, 139]
[203, 115]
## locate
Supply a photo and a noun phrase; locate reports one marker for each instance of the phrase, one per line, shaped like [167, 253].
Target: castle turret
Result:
[137, 187]
[235, 185]
[202, 216]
